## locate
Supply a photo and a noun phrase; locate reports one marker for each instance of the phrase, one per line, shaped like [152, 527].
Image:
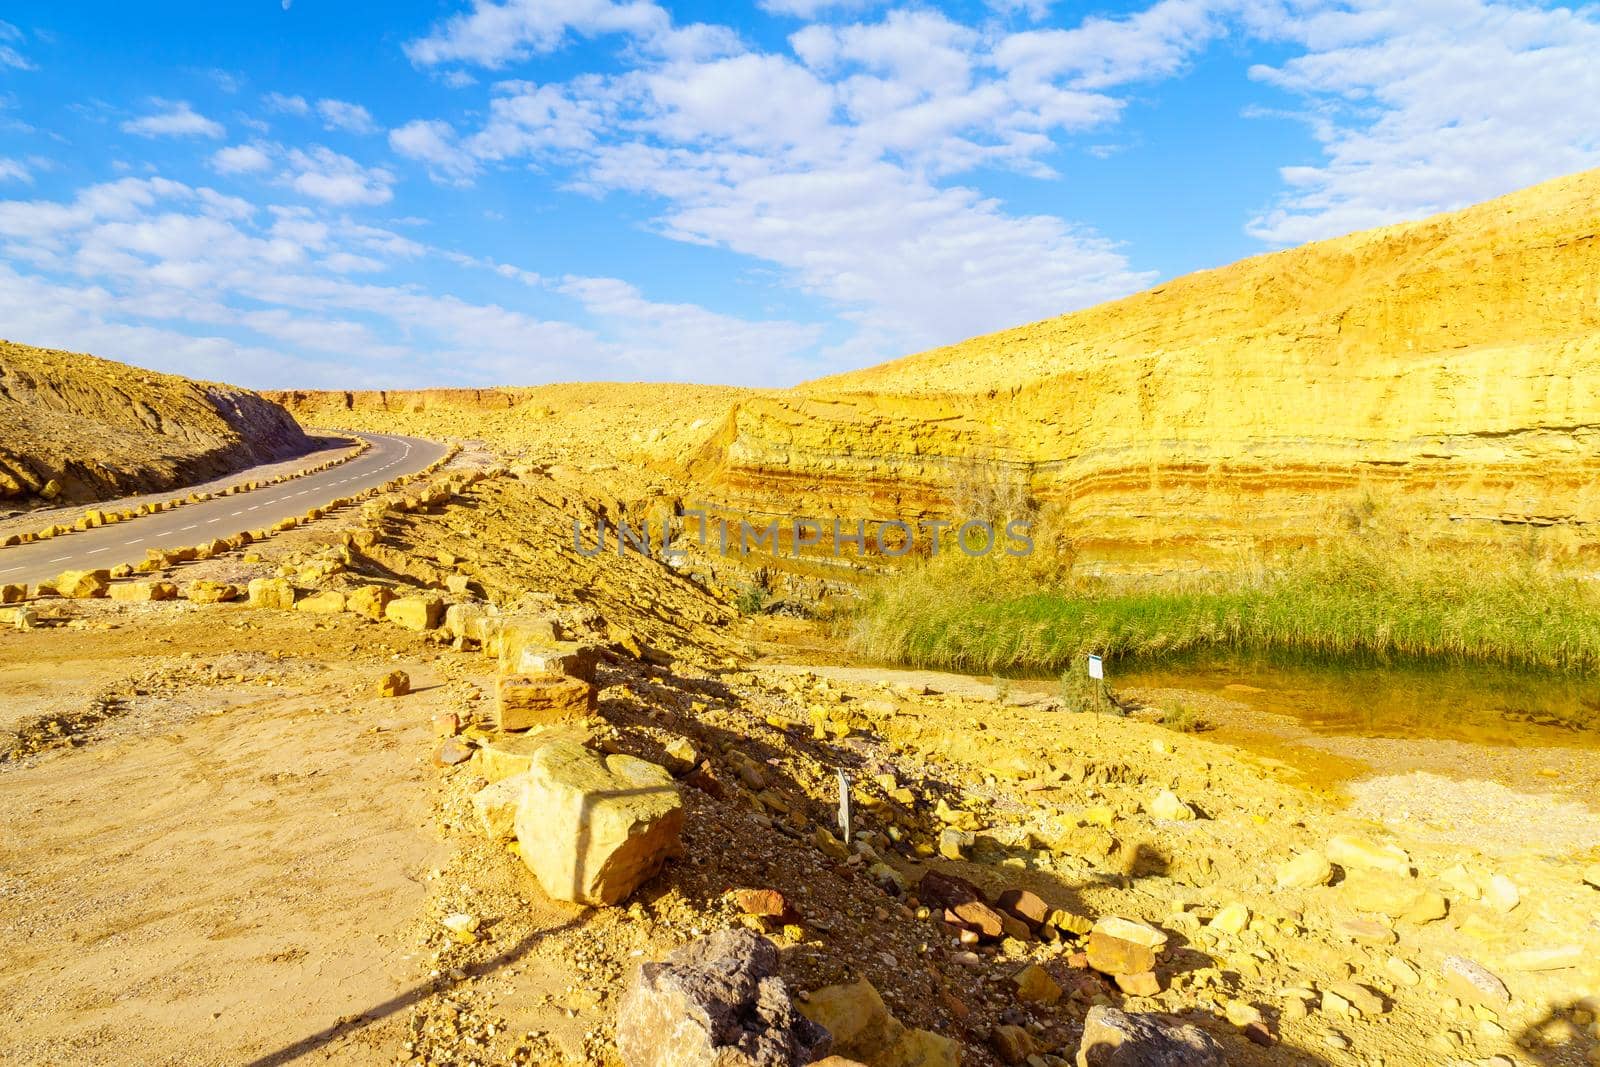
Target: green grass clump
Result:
[1354, 597]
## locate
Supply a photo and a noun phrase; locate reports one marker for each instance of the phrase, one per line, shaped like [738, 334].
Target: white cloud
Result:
[241, 159]
[189, 280]
[288, 105]
[174, 119]
[434, 143]
[1428, 107]
[11, 170]
[812, 9]
[9, 56]
[830, 162]
[493, 34]
[342, 115]
[325, 175]
[663, 340]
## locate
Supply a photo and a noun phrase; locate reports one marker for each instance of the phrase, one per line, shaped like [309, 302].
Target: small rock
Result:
[1012, 1044]
[1143, 984]
[1232, 919]
[762, 903]
[953, 843]
[1473, 982]
[1035, 986]
[1168, 807]
[1401, 972]
[1115, 953]
[446, 725]
[415, 612]
[496, 807]
[1024, 905]
[682, 756]
[394, 684]
[462, 927]
[1242, 1014]
[1365, 931]
[84, 585]
[452, 752]
[1351, 851]
[1304, 871]
[1503, 895]
[1113, 1038]
[1069, 923]
[1358, 997]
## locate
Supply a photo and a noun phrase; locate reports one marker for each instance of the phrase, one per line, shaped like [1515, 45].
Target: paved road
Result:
[193, 524]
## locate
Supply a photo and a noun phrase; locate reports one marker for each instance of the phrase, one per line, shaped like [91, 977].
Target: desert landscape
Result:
[335, 730]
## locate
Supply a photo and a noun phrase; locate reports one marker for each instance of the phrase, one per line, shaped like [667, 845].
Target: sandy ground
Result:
[227, 868]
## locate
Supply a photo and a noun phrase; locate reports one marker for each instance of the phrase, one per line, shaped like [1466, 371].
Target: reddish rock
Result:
[1025, 906]
[979, 918]
[938, 890]
[763, 903]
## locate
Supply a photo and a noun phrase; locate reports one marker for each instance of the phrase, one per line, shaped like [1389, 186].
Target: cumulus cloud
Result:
[434, 142]
[325, 175]
[830, 160]
[187, 279]
[173, 119]
[1422, 108]
[345, 116]
[241, 159]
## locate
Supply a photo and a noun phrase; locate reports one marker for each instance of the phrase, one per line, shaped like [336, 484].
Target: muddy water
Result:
[1479, 705]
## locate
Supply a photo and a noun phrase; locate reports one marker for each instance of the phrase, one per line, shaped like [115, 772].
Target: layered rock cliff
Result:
[74, 428]
[1450, 365]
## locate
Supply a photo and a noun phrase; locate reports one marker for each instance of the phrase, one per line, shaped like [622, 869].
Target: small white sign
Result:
[1097, 667]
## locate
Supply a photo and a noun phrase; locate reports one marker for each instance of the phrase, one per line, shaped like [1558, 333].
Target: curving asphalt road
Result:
[125, 542]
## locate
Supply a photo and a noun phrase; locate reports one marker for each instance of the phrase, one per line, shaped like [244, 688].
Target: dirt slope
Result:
[75, 428]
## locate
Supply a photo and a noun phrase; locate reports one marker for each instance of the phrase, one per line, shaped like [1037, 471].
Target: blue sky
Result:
[331, 193]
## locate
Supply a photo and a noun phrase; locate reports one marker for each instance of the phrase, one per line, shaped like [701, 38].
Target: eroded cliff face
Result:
[74, 428]
[1451, 365]
[335, 404]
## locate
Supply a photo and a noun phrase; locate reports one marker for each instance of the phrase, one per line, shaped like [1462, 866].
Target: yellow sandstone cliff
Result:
[1451, 364]
[74, 428]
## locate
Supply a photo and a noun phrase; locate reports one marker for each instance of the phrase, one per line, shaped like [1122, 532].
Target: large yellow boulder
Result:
[206, 591]
[271, 593]
[415, 612]
[369, 600]
[524, 701]
[143, 592]
[327, 602]
[81, 585]
[593, 829]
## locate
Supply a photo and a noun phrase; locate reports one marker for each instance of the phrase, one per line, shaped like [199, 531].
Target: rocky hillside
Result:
[74, 428]
[1444, 367]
